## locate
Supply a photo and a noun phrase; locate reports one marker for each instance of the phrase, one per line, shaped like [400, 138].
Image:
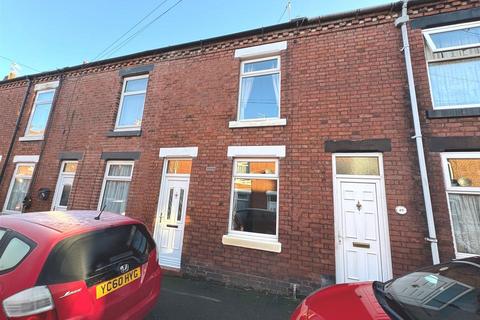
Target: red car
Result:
[445, 291]
[69, 265]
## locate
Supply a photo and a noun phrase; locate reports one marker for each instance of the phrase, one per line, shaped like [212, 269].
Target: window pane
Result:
[25, 170]
[255, 167]
[358, 165]
[70, 167]
[259, 97]
[120, 170]
[260, 65]
[180, 205]
[465, 210]
[455, 83]
[464, 172]
[179, 166]
[65, 194]
[136, 85]
[170, 202]
[2, 232]
[115, 196]
[45, 96]
[15, 251]
[253, 210]
[132, 110]
[19, 191]
[39, 119]
[456, 38]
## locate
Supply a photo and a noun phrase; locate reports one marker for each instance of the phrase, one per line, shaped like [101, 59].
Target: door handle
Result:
[172, 226]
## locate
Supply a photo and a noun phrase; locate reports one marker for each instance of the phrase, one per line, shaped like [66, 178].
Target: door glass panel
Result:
[358, 166]
[464, 172]
[179, 166]
[70, 167]
[180, 205]
[65, 194]
[170, 200]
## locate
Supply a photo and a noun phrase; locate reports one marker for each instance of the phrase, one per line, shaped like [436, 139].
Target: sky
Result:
[42, 35]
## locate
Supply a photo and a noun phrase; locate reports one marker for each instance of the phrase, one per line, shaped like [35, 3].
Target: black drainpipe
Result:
[17, 126]
[44, 142]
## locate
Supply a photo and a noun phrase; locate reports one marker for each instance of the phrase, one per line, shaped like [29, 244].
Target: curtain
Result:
[120, 170]
[455, 83]
[247, 85]
[276, 87]
[19, 191]
[115, 196]
[465, 210]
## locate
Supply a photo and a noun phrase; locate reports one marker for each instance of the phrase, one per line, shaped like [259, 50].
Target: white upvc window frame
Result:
[278, 71]
[120, 107]
[28, 136]
[12, 182]
[449, 189]
[106, 178]
[428, 32]
[276, 176]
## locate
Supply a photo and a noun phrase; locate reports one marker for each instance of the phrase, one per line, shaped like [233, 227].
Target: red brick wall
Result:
[343, 80]
[451, 127]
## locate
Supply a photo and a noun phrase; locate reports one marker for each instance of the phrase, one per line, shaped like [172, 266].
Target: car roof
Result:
[60, 224]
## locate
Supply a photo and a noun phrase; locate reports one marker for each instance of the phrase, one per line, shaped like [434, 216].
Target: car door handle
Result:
[172, 226]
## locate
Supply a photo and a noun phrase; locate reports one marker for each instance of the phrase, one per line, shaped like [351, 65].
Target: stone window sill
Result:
[232, 240]
[30, 138]
[257, 123]
[129, 133]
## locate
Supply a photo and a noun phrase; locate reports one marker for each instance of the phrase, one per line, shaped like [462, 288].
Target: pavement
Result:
[186, 299]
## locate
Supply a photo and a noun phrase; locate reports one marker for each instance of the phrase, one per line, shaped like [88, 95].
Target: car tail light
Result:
[30, 302]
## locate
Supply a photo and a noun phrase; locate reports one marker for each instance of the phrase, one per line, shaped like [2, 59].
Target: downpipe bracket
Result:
[431, 240]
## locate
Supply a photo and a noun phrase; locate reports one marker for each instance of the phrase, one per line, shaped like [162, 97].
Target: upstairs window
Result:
[40, 114]
[454, 65]
[130, 112]
[259, 96]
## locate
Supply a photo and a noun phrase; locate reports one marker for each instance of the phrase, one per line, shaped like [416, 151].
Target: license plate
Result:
[111, 285]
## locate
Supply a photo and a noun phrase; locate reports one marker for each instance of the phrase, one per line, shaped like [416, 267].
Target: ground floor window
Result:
[254, 209]
[116, 183]
[19, 187]
[462, 181]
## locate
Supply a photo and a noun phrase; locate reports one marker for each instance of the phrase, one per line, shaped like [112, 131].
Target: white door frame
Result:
[61, 174]
[162, 194]
[384, 234]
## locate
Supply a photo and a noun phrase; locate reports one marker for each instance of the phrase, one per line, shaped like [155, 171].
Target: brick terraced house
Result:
[277, 158]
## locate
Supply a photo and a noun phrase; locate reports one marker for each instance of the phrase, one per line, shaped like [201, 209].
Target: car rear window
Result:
[14, 248]
[97, 256]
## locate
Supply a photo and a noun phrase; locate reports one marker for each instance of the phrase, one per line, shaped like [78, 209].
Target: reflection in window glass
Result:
[464, 172]
[40, 113]
[179, 166]
[254, 207]
[357, 166]
[260, 65]
[255, 167]
[130, 113]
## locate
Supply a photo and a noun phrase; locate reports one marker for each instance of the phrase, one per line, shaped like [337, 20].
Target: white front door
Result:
[359, 238]
[64, 185]
[171, 220]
